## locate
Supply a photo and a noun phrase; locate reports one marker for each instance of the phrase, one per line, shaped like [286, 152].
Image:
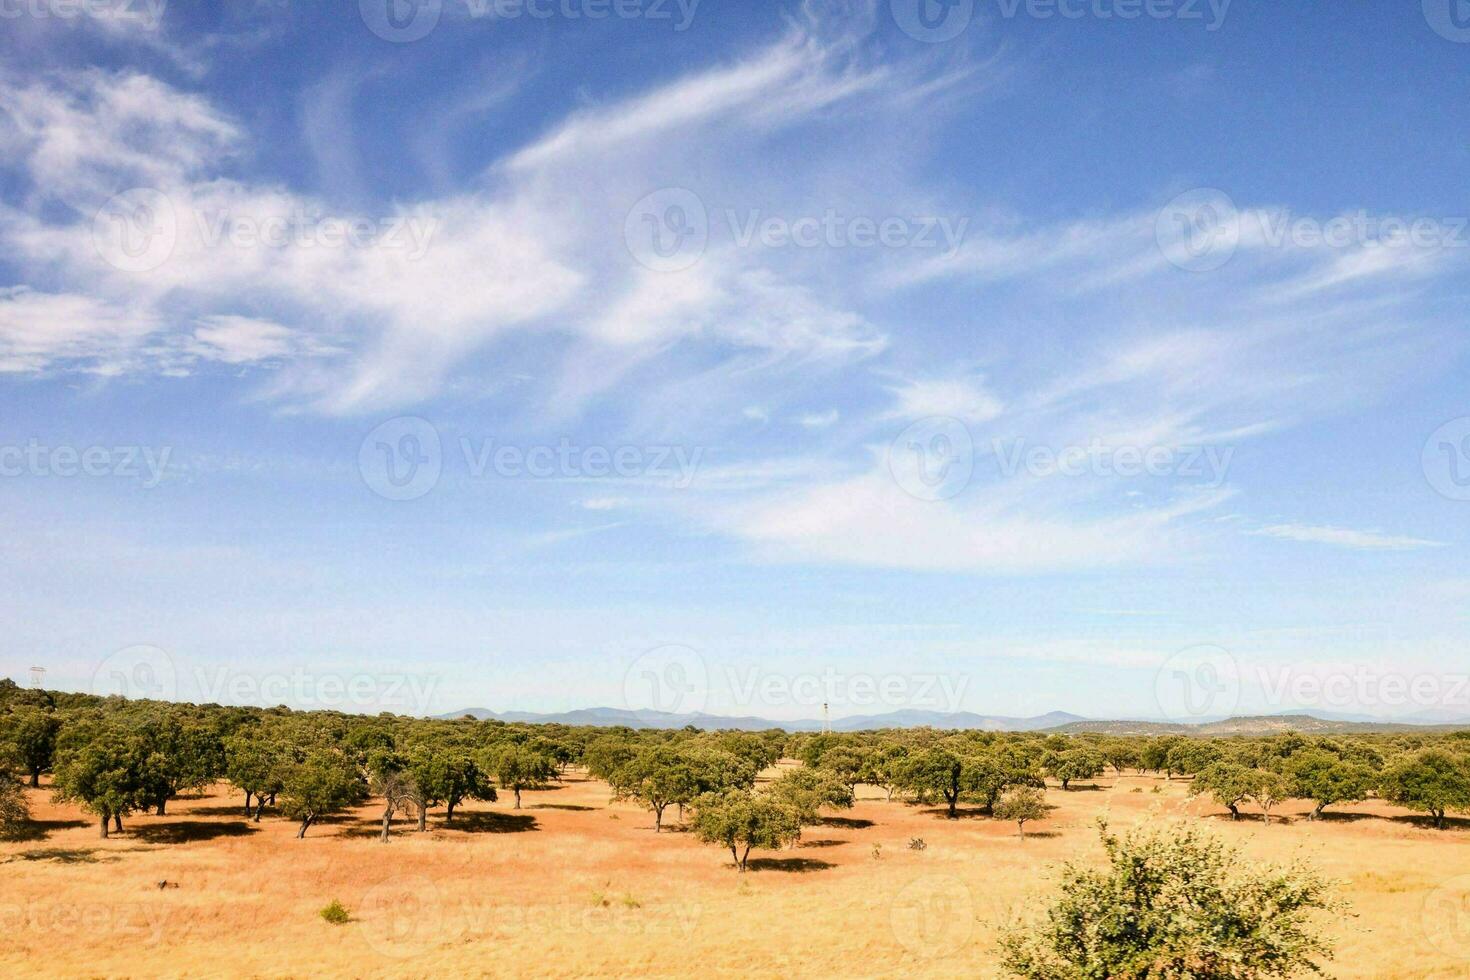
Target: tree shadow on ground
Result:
[369, 829]
[34, 830]
[1085, 788]
[1043, 834]
[1329, 816]
[187, 831]
[960, 813]
[492, 822]
[1227, 818]
[223, 811]
[792, 865]
[821, 843]
[848, 823]
[560, 806]
[65, 855]
[1423, 822]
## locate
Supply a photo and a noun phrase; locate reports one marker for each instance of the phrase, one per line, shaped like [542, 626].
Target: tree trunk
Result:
[305, 822]
[117, 821]
[1438, 819]
[1317, 811]
[35, 779]
[387, 822]
[273, 798]
[735, 858]
[658, 818]
[259, 807]
[1064, 784]
[247, 803]
[423, 818]
[103, 824]
[518, 799]
[1021, 825]
[1234, 811]
[745, 854]
[162, 805]
[953, 801]
[448, 811]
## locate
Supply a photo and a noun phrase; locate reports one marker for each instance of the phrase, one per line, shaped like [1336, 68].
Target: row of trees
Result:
[1330, 771]
[116, 757]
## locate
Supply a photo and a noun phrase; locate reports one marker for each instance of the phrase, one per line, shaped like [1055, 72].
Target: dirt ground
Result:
[572, 885]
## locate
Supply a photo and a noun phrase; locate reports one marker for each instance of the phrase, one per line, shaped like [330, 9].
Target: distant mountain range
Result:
[908, 718]
[1058, 721]
[1304, 722]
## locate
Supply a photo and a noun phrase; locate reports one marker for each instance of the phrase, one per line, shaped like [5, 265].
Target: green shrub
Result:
[335, 913]
[1175, 903]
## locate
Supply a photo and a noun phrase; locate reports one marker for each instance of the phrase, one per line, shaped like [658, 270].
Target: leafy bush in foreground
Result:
[1174, 904]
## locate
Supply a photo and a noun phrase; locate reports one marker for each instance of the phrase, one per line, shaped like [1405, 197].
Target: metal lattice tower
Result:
[36, 674]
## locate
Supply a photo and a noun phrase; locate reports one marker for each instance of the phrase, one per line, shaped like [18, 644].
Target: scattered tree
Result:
[322, 782]
[806, 791]
[1021, 804]
[1326, 778]
[741, 820]
[1431, 781]
[935, 773]
[1228, 782]
[32, 732]
[519, 768]
[100, 768]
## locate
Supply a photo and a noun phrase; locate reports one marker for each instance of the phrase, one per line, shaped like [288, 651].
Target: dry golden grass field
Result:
[572, 885]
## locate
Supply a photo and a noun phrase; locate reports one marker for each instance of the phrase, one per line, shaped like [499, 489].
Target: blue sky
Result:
[1039, 360]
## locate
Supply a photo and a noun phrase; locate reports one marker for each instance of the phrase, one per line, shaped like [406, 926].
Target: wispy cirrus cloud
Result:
[1343, 537]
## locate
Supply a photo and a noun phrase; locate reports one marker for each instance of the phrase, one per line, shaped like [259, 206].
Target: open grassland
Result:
[572, 885]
